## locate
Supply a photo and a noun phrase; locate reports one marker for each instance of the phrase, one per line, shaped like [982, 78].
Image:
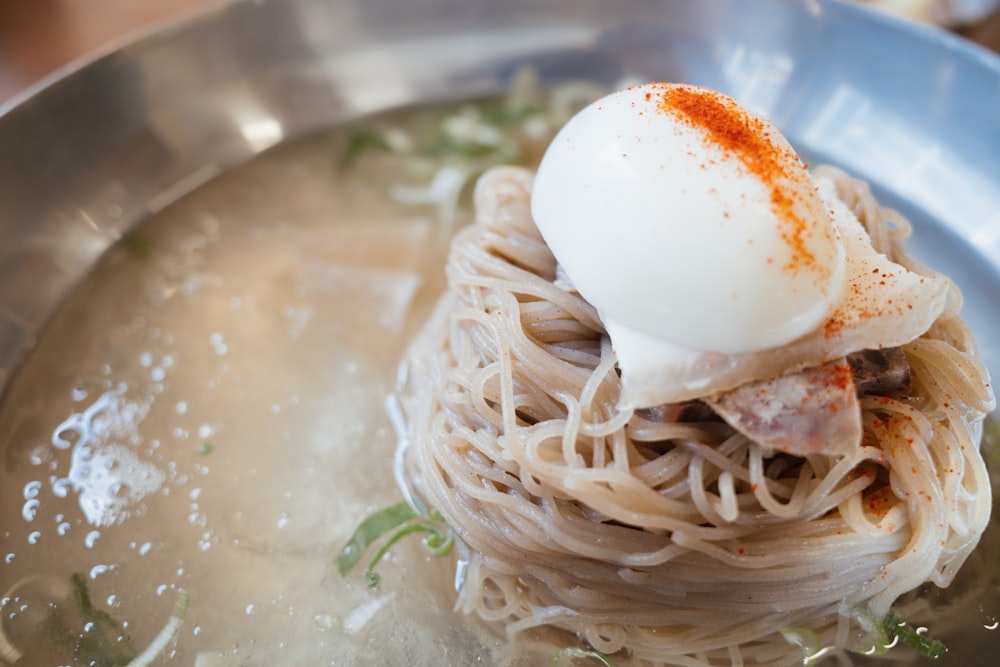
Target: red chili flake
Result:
[879, 501]
[746, 136]
[840, 375]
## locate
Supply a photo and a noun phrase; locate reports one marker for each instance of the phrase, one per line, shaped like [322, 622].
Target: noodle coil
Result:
[675, 542]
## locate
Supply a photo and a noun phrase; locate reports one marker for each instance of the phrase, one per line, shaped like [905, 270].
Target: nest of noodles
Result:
[679, 543]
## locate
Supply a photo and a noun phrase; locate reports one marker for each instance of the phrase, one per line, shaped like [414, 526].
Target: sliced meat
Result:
[688, 412]
[815, 410]
[879, 372]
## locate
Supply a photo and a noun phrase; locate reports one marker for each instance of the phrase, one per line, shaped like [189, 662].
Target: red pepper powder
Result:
[748, 138]
[841, 376]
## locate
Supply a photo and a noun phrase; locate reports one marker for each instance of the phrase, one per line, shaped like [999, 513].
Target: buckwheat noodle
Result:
[680, 543]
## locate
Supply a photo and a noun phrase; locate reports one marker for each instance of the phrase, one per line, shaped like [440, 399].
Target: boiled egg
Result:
[686, 219]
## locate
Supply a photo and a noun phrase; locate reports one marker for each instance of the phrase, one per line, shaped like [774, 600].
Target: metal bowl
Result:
[94, 152]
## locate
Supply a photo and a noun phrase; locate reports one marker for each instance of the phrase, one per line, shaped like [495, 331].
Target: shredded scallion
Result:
[360, 140]
[104, 641]
[166, 635]
[370, 530]
[394, 523]
[877, 640]
[804, 638]
[574, 653]
[925, 646]
[436, 542]
[138, 244]
[503, 116]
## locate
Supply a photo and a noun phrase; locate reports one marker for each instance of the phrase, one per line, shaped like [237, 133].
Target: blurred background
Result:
[37, 37]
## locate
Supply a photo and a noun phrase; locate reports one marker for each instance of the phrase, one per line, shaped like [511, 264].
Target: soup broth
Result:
[206, 414]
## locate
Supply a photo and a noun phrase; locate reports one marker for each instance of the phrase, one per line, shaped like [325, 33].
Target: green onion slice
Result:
[925, 646]
[806, 639]
[370, 530]
[574, 653]
[104, 641]
[360, 140]
[166, 635]
[877, 637]
[393, 524]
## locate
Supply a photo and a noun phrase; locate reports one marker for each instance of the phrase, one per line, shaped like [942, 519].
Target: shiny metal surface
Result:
[83, 159]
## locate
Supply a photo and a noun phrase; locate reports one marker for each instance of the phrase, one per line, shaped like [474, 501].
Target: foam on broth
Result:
[206, 413]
